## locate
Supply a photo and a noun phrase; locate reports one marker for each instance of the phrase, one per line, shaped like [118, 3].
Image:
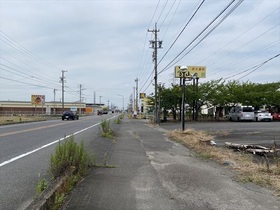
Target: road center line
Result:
[45, 146]
[31, 129]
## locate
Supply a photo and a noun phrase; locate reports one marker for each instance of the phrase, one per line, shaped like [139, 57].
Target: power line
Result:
[182, 30]
[240, 35]
[19, 81]
[172, 61]
[254, 68]
[7, 39]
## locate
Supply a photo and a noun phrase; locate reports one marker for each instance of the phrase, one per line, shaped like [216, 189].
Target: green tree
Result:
[170, 100]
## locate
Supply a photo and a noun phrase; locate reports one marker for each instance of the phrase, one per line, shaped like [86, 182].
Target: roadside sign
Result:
[200, 70]
[37, 99]
[142, 95]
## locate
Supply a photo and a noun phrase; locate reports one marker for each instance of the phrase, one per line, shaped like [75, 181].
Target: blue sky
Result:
[104, 45]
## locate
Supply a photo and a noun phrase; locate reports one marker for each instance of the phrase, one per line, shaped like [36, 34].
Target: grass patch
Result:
[118, 120]
[264, 174]
[69, 155]
[41, 186]
[69, 158]
[106, 130]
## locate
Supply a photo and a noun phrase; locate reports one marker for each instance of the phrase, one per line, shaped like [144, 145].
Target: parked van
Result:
[242, 113]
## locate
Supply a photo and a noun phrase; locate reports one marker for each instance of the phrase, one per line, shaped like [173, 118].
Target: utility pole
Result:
[155, 45]
[80, 92]
[100, 100]
[134, 102]
[94, 97]
[62, 80]
[54, 91]
[136, 95]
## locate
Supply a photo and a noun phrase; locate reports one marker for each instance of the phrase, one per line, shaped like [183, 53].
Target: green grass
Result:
[69, 154]
[106, 130]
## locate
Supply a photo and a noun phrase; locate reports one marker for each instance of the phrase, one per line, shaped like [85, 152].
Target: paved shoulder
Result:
[152, 172]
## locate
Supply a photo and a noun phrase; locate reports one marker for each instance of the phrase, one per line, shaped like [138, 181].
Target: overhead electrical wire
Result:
[204, 30]
[162, 11]
[25, 74]
[18, 81]
[149, 77]
[11, 42]
[15, 45]
[240, 35]
[252, 40]
[144, 61]
[171, 19]
[192, 16]
[254, 68]
[23, 51]
[174, 59]
[167, 13]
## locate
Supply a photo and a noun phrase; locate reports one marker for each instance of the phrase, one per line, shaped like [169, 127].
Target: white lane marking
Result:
[46, 145]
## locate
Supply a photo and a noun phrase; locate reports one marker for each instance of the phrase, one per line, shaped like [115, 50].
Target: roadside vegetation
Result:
[69, 161]
[69, 155]
[119, 119]
[265, 173]
[106, 129]
[218, 93]
[5, 120]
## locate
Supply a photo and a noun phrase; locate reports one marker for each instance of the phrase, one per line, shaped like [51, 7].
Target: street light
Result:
[184, 69]
[195, 82]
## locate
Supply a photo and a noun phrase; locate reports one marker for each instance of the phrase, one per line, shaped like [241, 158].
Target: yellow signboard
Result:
[200, 70]
[37, 99]
[142, 95]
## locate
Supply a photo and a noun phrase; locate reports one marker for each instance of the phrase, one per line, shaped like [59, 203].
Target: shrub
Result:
[106, 130]
[69, 155]
[42, 185]
[118, 120]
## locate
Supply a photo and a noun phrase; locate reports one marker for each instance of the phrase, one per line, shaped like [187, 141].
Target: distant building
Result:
[48, 108]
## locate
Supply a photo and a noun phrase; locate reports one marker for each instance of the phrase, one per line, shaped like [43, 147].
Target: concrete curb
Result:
[47, 197]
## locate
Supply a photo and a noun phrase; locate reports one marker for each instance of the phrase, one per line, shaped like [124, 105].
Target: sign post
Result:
[192, 73]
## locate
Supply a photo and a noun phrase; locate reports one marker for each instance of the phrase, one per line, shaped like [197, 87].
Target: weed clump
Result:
[69, 155]
[41, 186]
[105, 128]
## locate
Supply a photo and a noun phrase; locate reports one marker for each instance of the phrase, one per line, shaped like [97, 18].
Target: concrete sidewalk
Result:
[151, 172]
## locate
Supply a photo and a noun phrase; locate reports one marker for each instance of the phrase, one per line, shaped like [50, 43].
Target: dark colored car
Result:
[69, 115]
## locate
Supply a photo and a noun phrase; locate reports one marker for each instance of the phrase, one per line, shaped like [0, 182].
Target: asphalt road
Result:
[25, 151]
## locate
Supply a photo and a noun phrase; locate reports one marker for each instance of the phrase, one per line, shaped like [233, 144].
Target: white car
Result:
[263, 116]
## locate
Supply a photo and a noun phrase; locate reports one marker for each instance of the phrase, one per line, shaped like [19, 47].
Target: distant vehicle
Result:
[262, 116]
[275, 116]
[104, 111]
[99, 112]
[69, 115]
[242, 113]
